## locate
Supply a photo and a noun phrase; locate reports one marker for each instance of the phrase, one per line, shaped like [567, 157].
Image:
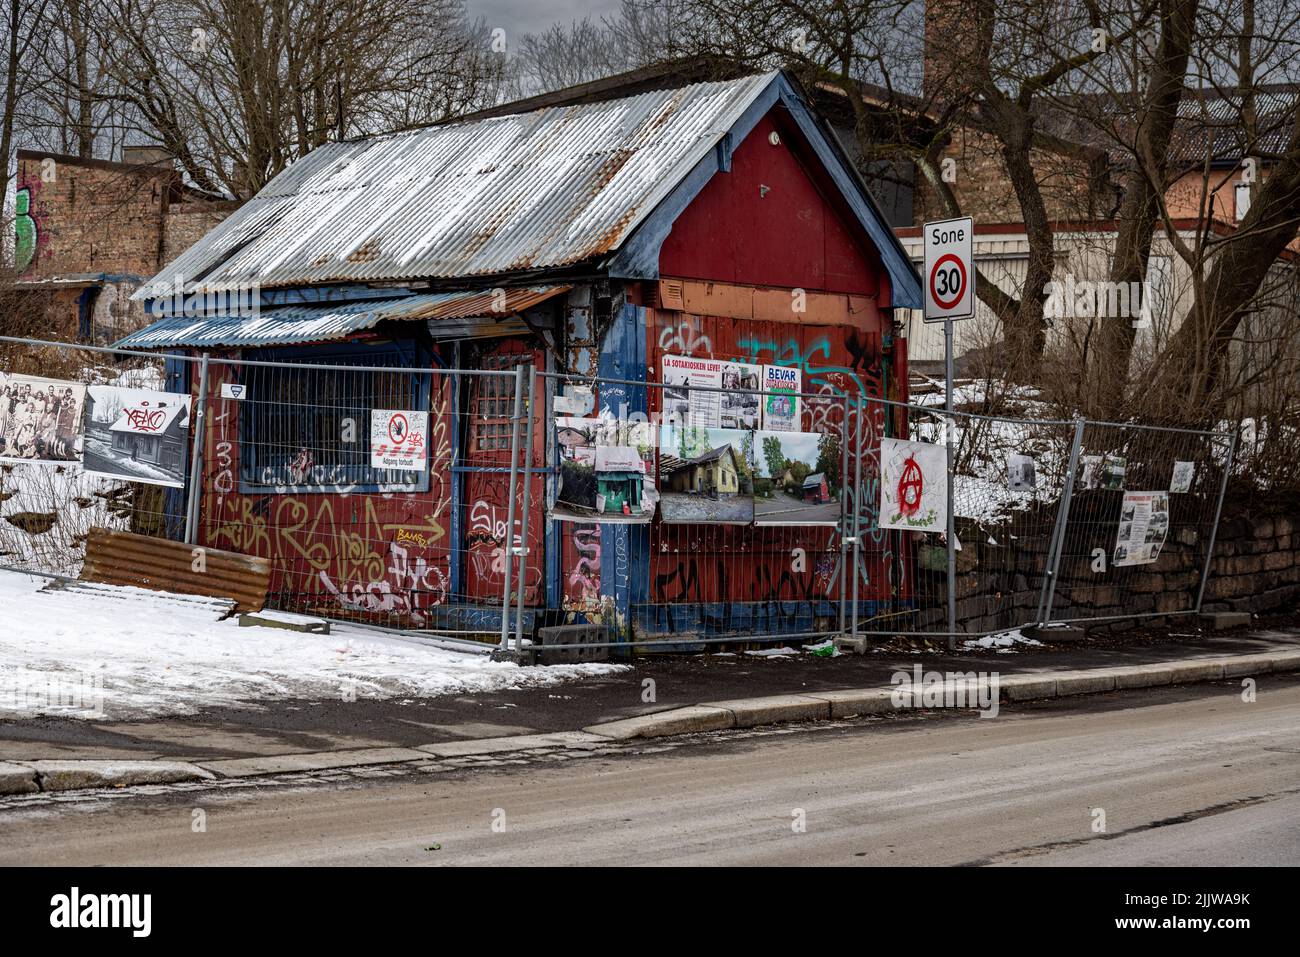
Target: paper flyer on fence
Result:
[685, 402]
[399, 439]
[1143, 527]
[741, 405]
[797, 479]
[781, 388]
[605, 471]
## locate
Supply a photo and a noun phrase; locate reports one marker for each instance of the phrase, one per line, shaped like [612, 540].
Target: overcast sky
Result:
[534, 16]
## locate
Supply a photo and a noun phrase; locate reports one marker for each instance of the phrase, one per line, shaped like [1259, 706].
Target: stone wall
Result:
[1256, 568]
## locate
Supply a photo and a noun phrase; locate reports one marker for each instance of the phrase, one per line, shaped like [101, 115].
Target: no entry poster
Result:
[399, 439]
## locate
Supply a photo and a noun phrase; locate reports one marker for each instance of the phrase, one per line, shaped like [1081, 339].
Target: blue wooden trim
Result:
[176, 378]
[624, 549]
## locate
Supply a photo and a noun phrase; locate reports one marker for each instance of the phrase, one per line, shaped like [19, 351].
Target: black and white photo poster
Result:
[40, 419]
[137, 435]
[1020, 473]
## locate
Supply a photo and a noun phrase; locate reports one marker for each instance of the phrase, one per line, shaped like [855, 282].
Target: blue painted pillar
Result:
[624, 549]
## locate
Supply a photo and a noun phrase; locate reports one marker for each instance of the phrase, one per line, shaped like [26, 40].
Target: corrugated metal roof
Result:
[548, 188]
[288, 325]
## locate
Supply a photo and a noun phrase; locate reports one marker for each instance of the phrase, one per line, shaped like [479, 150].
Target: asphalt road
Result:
[1184, 776]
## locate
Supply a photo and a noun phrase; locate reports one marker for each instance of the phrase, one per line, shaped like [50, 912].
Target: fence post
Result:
[1218, 512]
[950, 433]
[1057, 543]
[857, 509]
[527, 486]
[845, 571]
[192, 504]
[509, 547]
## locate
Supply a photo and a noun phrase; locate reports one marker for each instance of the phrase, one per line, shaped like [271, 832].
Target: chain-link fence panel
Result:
[89, 438]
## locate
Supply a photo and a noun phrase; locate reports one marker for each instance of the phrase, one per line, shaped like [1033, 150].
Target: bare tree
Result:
[236, 90]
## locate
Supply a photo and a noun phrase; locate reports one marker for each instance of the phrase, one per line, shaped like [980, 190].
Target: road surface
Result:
[1183, 776]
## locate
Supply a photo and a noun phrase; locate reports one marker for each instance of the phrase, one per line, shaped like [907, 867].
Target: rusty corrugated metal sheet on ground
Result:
[482, 197]
[287, 325]
[123, 558]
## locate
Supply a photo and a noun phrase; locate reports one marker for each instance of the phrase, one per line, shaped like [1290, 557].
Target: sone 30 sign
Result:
[949, 269]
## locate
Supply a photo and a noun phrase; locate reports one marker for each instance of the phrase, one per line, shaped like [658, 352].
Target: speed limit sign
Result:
[949, 269]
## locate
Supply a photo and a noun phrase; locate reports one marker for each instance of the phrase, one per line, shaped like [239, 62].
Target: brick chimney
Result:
[952, 42]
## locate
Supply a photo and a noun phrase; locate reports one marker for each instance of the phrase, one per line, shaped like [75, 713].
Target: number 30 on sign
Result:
[949, 269]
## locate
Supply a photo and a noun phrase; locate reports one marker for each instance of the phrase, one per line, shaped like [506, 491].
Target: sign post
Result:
[950, 295]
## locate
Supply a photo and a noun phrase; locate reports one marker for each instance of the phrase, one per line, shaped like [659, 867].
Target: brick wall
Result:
[1256, 568]
[94, 217]
[1070, 186]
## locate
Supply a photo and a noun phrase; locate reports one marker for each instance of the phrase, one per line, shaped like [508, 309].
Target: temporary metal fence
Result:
[479, 543]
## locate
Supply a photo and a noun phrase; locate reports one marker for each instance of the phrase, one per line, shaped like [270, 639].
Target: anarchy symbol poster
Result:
[913, 486]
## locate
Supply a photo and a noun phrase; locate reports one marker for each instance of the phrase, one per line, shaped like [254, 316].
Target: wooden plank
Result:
[123, 558]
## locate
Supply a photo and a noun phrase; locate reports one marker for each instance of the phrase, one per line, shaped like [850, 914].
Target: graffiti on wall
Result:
[28, 234]
[383, 554]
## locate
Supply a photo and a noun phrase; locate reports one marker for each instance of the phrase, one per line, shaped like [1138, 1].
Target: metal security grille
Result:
[299, 425]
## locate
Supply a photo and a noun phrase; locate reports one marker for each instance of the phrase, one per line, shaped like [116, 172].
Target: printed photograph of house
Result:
[603, 472]
[797, 481]
[706, 475]
[137, 435]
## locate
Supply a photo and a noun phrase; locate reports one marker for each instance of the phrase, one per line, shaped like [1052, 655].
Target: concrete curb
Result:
[850, 703]
[30, 777]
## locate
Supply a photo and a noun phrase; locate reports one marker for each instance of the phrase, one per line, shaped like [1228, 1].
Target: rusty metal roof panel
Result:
[482, 197]
[289, 325]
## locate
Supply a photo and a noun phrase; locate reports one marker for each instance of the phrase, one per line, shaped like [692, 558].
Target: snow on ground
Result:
[143, 653]
[1004, 642]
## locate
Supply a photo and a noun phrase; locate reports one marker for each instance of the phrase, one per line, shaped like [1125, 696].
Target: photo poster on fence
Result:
[685, 399]
[1091, 469]
[706, 476]
[913, 486]
[1020, 473]
[781, 403]
[137, 435]
[1113, 468]
[399, 440]
[1183, 476]
[741, 409]
[797, 479]
[606, 471]
[40, 420]
[1143, 527]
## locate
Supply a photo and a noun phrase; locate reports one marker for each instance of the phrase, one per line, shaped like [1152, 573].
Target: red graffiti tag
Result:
[145, 419]
[910, 486]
